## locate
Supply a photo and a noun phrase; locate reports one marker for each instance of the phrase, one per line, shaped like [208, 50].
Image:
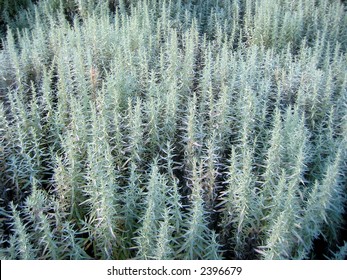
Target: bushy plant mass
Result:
[186, 129]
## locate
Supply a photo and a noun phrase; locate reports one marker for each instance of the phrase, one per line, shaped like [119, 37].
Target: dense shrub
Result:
[186, 129]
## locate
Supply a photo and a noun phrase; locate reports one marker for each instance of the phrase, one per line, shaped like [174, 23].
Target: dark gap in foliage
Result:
[320, 246]
[342, 238]
[216, 215]
[2, 34]
[88, 244]
[6, 223]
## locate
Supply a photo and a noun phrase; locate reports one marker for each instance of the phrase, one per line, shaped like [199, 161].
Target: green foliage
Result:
[143, 129]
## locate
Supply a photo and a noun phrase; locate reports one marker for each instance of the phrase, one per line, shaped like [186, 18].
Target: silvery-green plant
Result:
[172, 130]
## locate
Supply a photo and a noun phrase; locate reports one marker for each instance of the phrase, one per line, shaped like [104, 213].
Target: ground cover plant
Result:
[187, 129]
